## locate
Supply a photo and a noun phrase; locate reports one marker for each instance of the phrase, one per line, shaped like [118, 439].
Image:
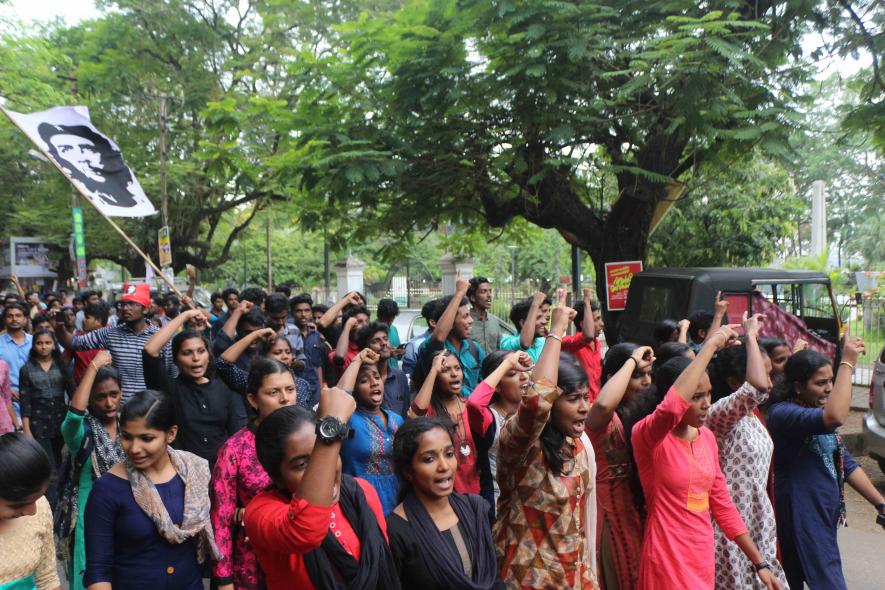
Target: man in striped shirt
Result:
[125, 341]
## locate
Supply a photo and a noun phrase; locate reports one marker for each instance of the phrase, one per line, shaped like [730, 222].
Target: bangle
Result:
[762, 565]
[847, 363]
[555, 337]
[547, 390]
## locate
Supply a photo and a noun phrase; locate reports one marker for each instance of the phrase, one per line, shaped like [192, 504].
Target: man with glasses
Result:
[125, 341]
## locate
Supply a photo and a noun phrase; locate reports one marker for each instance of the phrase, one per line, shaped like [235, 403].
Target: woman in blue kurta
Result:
[147, 519]
[93, 443]
[369, 454]
[811, 466]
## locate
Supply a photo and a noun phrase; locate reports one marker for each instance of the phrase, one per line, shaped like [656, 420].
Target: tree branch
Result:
[870, 41]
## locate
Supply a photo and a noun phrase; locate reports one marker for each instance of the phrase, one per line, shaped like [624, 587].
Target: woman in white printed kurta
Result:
[745, 450]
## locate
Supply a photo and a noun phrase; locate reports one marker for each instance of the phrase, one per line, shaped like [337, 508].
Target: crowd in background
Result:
[272, 442]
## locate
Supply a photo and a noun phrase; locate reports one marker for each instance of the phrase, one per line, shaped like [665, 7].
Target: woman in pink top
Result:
[678, 463]
[8, 420]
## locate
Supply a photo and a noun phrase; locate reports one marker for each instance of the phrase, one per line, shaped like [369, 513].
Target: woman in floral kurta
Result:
[238, 477]
[745, 450]
[540, 528]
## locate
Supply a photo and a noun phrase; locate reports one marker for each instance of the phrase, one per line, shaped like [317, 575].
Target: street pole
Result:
[269, 258]
[408, 283]
[243, 247]
[165, 199]
[576, 275]
[327, 269]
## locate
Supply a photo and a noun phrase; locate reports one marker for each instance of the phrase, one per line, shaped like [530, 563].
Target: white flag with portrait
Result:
[87, 157]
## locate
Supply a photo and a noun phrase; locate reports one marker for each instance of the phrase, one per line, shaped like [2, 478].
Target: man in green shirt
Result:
[530, 317]
[486, 329]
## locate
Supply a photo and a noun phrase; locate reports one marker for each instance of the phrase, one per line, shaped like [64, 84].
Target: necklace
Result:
[464, 445]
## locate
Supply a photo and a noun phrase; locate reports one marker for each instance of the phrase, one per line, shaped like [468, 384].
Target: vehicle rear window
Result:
[657, 303]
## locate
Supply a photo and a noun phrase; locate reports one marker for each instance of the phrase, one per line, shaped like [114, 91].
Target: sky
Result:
[72, 11]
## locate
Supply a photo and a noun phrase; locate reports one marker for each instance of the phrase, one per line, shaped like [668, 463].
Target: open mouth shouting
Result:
[444, 484]
[376, 396]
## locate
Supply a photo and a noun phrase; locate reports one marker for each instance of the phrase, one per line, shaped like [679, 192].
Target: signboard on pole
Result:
[26, 257]
[79, 247]
[165, 247]
[618, 276]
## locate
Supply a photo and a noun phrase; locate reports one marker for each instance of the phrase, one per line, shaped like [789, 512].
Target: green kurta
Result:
[73, 431]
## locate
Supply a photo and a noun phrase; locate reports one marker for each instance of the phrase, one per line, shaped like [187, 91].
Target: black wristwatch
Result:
[330, 429]
[762, 565]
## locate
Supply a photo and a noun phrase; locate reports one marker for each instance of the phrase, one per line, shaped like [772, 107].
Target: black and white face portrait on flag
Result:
[88, 158]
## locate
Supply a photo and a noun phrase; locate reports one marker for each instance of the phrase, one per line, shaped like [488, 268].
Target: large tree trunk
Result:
[624, 237]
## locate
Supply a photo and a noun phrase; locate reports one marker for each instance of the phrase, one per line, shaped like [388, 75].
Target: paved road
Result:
[863, 558]
[862, 543]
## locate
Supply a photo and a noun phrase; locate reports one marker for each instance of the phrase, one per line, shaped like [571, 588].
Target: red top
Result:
[352, 351]
[467, 476]
[81, 358]
[282, 532]
[479, 415]
[591, 359]
[683, 485]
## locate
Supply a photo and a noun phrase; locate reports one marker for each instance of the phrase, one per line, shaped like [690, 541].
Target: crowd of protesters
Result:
[268, 442]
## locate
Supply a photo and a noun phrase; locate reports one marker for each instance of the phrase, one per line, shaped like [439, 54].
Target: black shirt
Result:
[413, 573]
[208, 414]
[222, 342]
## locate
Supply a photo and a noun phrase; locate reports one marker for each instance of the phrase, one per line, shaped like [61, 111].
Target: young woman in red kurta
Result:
[627, 375]
[440, 395]
[678, 463]
[318, 526]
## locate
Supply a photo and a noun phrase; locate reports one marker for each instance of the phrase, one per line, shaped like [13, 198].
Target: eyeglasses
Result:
[129, 304]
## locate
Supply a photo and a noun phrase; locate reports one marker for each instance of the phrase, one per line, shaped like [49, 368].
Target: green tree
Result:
[852, 28]
[119, 66]
[846, 160]
[479, 113]
[738, 217]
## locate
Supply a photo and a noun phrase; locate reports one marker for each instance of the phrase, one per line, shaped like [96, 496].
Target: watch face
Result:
[329, 428]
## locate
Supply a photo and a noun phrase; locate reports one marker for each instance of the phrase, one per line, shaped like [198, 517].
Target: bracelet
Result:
[555, 337]
[762, 565]
[847, 363]
[547, 390]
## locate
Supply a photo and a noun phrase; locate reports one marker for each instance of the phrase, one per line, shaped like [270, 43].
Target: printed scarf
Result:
[105, 453]
[194, 471]
[831, 450]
